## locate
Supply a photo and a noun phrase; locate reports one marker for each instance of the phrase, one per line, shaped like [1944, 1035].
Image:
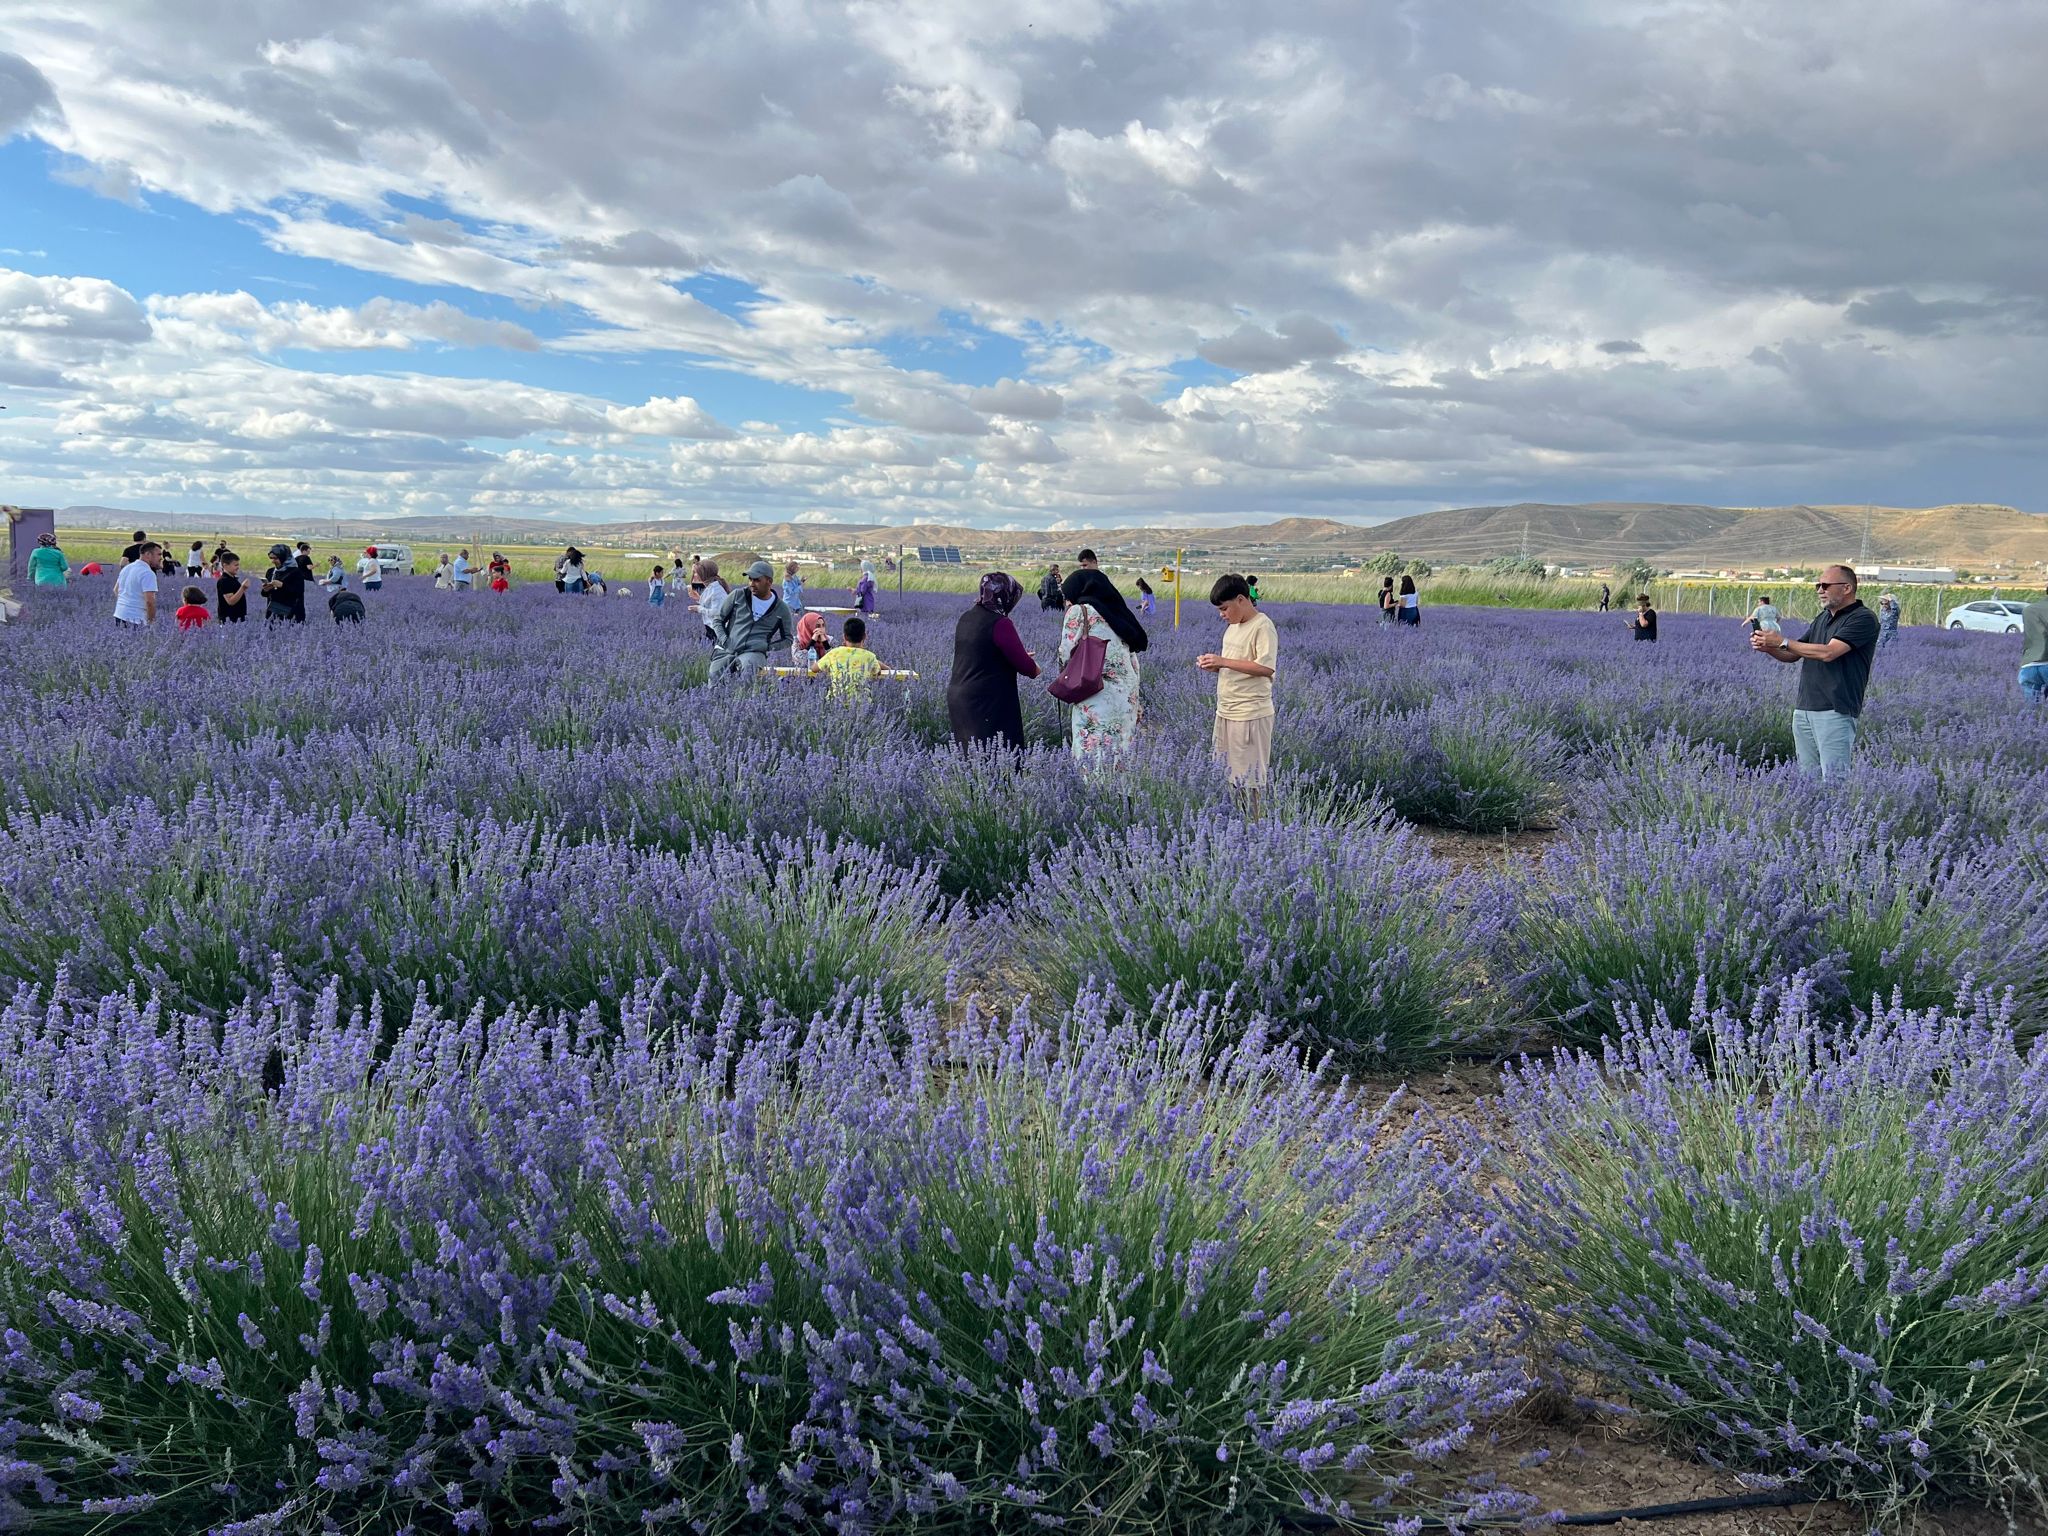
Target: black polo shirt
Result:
[1838, 685]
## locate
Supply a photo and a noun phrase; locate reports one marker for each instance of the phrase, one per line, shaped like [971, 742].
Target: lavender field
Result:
[468, 1072]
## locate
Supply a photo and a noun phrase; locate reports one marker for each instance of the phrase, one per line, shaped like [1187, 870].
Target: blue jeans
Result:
[1823, 738]
[2034, 682]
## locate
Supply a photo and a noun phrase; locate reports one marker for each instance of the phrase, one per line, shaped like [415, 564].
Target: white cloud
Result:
[25, 96]
[1427, 242]
[222, 320]
[1013, 397]
[1251, 349]
[667, 417]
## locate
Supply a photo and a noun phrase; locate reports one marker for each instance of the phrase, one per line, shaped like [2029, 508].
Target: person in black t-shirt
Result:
[231, 592]
[1644, 624]
[284, 587]
[1834, 673]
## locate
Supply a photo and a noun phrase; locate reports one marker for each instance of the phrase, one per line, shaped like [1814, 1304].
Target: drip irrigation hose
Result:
[1773, 1498]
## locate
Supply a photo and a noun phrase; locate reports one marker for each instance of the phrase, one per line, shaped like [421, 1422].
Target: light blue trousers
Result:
[1824, 738]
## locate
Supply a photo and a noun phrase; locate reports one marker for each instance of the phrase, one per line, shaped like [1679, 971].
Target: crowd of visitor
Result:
[1095, 663]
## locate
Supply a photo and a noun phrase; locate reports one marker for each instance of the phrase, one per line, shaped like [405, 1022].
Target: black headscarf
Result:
[999, 592]
[1100, 593]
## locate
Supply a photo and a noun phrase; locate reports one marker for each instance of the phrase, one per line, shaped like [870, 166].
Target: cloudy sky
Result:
[1012, 262]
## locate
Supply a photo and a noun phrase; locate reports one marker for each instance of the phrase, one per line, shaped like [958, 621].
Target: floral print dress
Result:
[1109, 721]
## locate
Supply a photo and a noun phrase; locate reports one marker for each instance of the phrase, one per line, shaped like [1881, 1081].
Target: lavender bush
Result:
[1346, 937]
[1095, 1270]
[1639, 919]
[1812, 1254]
[473, 912]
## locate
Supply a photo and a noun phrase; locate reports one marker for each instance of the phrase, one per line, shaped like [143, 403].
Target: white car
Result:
[396, 559]
[1993, 614]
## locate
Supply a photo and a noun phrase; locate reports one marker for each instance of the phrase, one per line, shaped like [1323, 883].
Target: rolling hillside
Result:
[1600, 534]
[1715, 538]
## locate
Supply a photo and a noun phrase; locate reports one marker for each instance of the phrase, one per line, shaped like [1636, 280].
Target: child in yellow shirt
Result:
[850, 666]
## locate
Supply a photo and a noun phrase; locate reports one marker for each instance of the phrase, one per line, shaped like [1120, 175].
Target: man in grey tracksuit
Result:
[754, 623]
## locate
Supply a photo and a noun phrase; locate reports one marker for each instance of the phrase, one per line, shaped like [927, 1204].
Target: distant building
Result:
[1932, 574]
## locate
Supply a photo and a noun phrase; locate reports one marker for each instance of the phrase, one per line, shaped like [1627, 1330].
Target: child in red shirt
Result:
[194, 613]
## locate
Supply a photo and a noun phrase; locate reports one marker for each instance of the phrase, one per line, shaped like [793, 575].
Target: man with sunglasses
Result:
[1834, 671]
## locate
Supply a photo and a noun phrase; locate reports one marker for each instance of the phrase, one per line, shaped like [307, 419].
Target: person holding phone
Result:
[1644, 623]
[284, 587]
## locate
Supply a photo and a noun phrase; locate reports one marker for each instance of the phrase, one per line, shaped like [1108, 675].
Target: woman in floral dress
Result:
[1108, 722]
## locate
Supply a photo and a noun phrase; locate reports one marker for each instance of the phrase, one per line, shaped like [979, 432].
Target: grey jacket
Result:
[738, 633]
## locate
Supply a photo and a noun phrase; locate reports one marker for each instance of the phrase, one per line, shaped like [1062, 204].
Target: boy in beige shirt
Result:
[1244, 671]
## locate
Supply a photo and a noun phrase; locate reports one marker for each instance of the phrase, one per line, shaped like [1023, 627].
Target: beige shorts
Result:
[1245, 747]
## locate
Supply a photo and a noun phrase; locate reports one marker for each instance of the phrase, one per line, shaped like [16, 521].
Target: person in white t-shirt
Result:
[135, 588]
[711, 599]
[371, 569]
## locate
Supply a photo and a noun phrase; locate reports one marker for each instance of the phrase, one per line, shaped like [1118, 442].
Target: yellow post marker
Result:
[1176, 586]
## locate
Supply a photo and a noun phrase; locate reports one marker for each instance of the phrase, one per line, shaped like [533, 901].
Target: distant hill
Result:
[1600, 534]
[1717, 538]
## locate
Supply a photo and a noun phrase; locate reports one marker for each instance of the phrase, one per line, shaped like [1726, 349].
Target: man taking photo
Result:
[1834, 672]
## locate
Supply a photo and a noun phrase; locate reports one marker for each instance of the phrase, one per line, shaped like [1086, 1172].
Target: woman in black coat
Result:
[988, 658]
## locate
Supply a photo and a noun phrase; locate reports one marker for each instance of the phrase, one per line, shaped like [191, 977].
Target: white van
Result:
[395, 558]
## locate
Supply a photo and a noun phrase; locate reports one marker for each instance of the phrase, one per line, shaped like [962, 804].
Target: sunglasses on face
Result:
[1822, 586]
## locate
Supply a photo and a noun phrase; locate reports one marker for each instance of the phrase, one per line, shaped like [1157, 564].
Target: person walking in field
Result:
[1407, 605]
[230, 591]
[711, 595]
[371, 570]
[1244, 668]
[1834, 673]
[988, 658]
[284, 587]
[195, 560]
[47, 566]
[1765, 616]
[864, 590]
[1387, 600]
[1050, 596]
[1887, 620]
[2034, 650]
[1606, 597]
[135, 587]
[657, 588]
[1107, 721]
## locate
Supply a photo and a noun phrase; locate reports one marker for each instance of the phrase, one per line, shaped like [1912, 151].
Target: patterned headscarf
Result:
[999, 592]
[46, 541]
